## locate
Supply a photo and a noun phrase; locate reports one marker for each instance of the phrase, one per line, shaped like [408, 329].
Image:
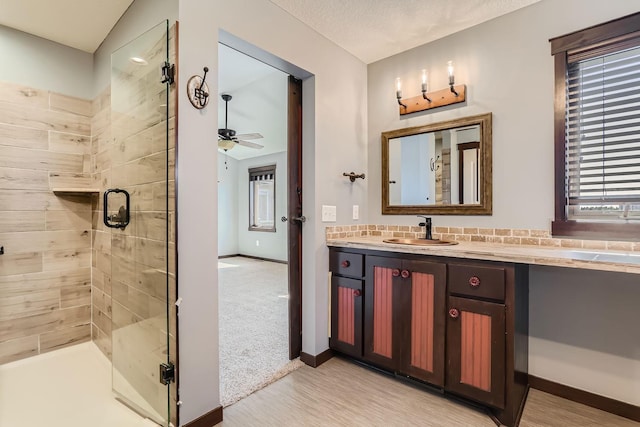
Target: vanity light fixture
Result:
[452, 79]
[440, 98]
[424, 85]
[399, 92]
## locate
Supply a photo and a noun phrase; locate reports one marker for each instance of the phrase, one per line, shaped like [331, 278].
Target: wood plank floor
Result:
[340, 393]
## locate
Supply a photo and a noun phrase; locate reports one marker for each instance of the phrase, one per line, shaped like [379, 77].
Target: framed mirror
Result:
[438, 169]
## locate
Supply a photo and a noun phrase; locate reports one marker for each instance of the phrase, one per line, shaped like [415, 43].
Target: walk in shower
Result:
[87, 220]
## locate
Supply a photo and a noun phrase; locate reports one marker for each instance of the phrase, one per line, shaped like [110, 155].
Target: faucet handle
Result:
[427, 219]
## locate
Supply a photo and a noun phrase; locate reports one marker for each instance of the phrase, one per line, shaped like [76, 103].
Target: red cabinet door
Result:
[346, 313]
[423, 332]
[404, 327]
[476, 350]
[380, 317]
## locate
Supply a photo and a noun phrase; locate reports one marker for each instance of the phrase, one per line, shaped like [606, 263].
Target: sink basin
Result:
[420, 242]
[605, 257]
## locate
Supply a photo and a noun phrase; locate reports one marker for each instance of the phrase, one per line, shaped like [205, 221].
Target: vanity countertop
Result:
[626, 262]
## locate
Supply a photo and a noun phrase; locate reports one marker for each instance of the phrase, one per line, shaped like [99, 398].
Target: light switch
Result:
[356, 212]
[328, 213]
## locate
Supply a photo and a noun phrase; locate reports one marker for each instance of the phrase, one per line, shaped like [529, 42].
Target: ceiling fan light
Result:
[226, 144]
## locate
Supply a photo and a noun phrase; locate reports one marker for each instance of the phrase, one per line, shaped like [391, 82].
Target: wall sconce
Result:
[428, 100]
[399, 92]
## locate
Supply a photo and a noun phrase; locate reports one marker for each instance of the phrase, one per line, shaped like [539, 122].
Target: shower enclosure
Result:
[138, 209]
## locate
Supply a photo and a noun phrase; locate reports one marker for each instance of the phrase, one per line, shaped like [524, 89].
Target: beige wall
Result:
[334, 141]
[45, 272]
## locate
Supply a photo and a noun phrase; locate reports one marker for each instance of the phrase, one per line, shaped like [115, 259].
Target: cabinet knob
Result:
[395, 272]
[345, 263]
[454, 313]
[357, 292]
[405, 274]
[474, 281]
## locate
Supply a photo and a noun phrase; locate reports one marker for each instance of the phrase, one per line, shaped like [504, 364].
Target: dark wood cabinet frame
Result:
[509, 370]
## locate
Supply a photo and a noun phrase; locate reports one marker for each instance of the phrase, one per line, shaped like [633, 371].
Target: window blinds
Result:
[603, 129]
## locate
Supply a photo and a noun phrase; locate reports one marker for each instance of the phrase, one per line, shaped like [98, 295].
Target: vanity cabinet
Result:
[346, 303]
[457, 324]
[476, 332]
[404, 302]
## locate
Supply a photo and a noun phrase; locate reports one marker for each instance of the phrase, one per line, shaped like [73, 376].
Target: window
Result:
[597, 131]
[262, 198]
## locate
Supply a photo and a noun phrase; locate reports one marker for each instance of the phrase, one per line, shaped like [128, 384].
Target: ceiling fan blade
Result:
[249, 136]
[249, 144]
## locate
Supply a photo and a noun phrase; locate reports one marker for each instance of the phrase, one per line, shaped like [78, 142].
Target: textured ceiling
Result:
[81, 24]
[369, 29]
[375, 29]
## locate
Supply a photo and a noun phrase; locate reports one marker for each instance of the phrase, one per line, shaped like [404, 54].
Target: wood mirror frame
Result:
[485, 163]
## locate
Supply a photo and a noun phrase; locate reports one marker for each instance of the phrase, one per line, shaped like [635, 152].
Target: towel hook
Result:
[352, 176]
[198, 90]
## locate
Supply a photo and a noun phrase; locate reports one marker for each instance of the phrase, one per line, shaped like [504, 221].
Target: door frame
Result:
[294, 191]
[294, 144]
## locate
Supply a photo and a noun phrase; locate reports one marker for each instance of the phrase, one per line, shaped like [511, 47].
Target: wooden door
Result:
[346, 315]
[380, 318]
[422, 331]
[476, 350]
[294, 152]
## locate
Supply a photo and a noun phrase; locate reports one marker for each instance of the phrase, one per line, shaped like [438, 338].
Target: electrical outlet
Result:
[257, 242]
[356, 212]
[328, 213]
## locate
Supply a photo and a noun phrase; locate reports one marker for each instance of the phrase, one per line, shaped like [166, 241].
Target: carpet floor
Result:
[254, 340]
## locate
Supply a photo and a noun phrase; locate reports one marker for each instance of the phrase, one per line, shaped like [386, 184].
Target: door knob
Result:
[357, 292]
[295, 218]
[454, 313]
[395, 272]
[405, 274]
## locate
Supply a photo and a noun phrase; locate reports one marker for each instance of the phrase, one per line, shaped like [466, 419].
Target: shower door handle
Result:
[120, 219]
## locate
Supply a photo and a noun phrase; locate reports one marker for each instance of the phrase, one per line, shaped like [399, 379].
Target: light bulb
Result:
[450, 69]
[424, 80]
[398, 88]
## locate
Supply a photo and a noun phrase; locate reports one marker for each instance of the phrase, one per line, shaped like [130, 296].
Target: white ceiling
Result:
[258, 105]
[81, 24]
[375, 29]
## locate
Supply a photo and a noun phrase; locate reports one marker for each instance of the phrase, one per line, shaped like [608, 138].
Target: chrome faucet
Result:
[426, 223]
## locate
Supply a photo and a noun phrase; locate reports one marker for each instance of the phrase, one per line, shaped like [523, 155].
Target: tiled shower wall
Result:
[101, 260]
[45, 272]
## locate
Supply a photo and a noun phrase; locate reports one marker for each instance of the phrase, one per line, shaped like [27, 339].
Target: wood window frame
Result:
[593, 38]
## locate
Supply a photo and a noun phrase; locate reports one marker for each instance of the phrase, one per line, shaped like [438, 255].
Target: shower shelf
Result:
[77, 191]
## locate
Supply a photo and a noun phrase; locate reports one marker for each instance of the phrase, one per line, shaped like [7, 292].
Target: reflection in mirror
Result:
[444, 168]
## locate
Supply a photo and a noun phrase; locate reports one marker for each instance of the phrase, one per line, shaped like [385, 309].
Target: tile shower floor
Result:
[69, 387]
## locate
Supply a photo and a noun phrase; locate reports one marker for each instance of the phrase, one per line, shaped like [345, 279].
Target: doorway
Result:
[260, 223]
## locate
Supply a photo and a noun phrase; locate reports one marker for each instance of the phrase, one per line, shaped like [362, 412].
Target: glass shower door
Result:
[136, 210]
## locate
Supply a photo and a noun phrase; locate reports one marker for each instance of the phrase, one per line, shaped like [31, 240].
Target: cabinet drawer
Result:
[346, 264]
[475, 281]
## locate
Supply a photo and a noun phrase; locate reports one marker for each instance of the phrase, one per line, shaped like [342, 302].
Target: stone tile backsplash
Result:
[474, 234]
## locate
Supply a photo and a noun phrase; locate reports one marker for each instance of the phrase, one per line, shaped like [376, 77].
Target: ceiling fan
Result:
[227, 138]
